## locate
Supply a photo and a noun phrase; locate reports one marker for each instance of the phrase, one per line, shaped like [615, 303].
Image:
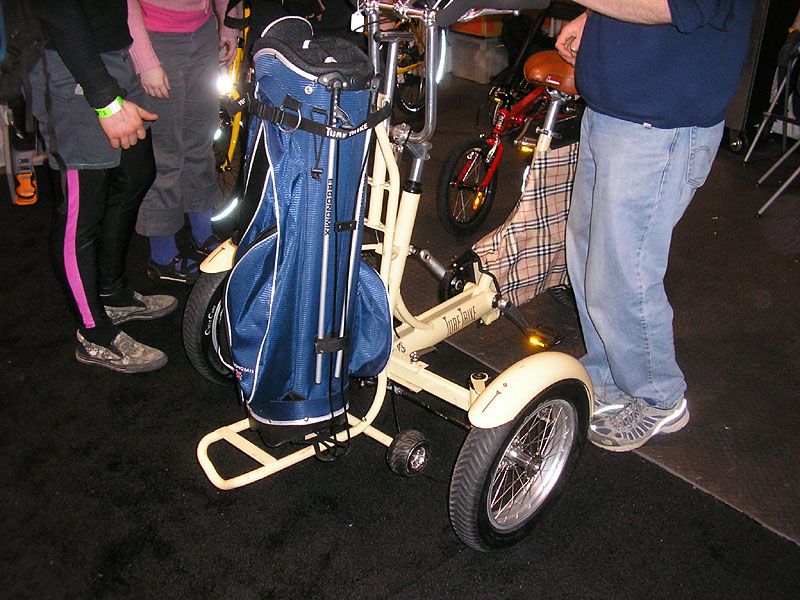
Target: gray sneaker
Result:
[146, 309]
[124, 355]
[629, 427]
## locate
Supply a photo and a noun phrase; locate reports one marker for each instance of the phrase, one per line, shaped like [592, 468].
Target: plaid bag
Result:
[527, 252]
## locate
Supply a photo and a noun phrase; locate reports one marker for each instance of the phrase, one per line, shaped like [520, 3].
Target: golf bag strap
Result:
[288, 118]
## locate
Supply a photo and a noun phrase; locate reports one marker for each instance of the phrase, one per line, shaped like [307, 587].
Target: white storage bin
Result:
[476, 58]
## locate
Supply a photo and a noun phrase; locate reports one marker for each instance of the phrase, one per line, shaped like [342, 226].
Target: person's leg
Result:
[74, 251]
[577, 252]
[127, 185]
[161, 214]
[644, 181]
[77, 219]
[200, 191]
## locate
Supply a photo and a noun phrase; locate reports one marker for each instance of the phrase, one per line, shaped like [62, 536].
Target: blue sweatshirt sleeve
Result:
[689, 15]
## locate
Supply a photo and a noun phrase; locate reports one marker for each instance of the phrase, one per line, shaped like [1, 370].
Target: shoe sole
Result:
[146, 316]
[677, 425]
[187, 280]
[143, 368]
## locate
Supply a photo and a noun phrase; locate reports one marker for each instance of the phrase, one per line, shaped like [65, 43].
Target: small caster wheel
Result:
[408, 453]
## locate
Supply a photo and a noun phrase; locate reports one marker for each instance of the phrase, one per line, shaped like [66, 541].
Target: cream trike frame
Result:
[527, 425]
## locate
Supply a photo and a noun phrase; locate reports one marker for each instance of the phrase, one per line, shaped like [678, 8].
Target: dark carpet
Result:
[102, 495]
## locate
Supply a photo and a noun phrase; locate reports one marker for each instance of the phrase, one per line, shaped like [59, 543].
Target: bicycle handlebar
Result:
[457, 8]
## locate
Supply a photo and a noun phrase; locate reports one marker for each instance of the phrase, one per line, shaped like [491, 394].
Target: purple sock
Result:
[163, 248]
[201, 225]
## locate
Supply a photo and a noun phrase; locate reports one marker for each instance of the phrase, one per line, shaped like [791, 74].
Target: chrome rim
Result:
[531, 464]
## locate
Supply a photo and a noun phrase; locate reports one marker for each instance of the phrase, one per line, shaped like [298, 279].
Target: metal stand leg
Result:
[768, 117]
[782, 188]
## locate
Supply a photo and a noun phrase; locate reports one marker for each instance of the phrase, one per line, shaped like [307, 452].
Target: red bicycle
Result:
[548, 116]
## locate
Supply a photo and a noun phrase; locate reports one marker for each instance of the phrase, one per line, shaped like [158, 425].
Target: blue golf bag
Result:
[303, 311]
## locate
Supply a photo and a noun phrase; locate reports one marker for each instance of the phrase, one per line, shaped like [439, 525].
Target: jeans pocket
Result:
[702, 151]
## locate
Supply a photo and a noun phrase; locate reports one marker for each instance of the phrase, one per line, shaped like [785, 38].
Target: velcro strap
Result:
[329, 345]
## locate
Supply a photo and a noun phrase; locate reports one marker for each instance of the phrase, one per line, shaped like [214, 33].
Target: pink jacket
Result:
[142, 53]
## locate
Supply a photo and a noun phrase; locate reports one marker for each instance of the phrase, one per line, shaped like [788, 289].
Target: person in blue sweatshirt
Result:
[657, 77]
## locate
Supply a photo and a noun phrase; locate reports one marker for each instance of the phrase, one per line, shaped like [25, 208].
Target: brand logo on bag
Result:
[240, 370]
[460, 320]
[328, 205]
[340, 134]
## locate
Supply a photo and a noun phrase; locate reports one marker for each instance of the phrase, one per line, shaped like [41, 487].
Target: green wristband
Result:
[113, 108]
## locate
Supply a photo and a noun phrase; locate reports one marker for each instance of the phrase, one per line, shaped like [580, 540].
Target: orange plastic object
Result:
[550, 69]
[26, 189]
[485, 26]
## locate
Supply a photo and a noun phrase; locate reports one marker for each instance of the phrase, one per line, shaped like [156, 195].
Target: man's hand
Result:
[228, 45]
[569, 40]
[126, 127]
[155, 82]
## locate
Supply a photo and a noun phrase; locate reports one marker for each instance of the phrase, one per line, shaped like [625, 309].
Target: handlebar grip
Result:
[454, 10]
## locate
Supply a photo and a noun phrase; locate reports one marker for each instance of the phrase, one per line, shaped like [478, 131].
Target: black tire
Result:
[204, 334]
[410, 86]
[228, 169]
[564, 295]
[455, 202]
[408, 453]
[487, 466]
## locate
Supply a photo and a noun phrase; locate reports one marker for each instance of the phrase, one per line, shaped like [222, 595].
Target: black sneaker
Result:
[124, 354]
[145, 308]
[199, 251]
[181, 269]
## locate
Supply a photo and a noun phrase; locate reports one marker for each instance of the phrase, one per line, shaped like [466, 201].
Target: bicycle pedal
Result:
[525, 144]
[543, 337]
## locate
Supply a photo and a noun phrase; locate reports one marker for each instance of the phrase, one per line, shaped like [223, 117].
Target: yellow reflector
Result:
[478, 201]
[534, 341]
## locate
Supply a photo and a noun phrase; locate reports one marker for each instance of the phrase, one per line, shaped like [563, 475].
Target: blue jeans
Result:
[633, 184]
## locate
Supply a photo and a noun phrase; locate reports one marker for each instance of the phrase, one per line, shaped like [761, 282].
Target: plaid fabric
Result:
[526, 253]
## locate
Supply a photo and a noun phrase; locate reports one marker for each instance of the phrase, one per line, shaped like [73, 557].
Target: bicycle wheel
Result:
[204, 335]
[227, 154]
[410, 86]
[460, 203]
[506, 478]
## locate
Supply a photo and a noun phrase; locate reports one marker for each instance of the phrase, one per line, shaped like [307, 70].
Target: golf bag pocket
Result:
[303, 310]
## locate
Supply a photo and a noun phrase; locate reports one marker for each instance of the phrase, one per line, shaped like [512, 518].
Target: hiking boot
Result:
[145, 308]
[620, 429]
[124, 355]
[181, 269]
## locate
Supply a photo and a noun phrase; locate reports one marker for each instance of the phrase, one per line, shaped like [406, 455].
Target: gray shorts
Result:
[186, 181]
[79, 138]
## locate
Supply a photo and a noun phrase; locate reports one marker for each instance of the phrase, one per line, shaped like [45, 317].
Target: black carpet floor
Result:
[101, 495]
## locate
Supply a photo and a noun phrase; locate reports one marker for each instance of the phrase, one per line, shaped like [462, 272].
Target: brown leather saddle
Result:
[548, 68]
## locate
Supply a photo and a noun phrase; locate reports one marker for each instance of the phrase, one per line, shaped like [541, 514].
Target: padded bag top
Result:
[323, 59]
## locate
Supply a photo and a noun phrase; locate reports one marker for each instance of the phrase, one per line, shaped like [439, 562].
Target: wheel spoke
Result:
[531, 464]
